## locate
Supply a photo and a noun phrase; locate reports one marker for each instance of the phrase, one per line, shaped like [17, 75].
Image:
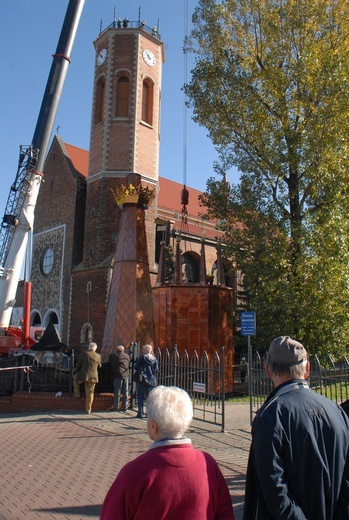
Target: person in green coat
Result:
[87, 373]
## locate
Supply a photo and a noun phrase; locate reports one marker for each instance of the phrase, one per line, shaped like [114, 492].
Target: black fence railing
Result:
[327, 377]
[202, 376]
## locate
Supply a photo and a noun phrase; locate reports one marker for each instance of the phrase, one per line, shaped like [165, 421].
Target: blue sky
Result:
[30, 31]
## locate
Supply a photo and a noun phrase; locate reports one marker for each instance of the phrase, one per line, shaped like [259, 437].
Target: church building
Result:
[77, 219]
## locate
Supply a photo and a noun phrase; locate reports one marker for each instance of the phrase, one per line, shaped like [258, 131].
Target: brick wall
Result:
[88, 307]
[101, 221]
[59, 221]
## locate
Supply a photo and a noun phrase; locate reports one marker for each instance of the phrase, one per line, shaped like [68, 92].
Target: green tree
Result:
[270, 83]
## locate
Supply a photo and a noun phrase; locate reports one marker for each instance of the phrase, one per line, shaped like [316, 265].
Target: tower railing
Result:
[129, 24]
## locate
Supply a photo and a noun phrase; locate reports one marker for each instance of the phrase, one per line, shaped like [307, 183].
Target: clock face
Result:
[101, 56]
[149, 57]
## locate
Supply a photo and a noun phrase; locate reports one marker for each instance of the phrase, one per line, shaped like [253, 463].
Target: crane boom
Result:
[18, 219]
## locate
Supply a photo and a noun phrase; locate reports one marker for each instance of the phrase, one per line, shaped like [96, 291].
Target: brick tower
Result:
[125, 128]
[125, 134]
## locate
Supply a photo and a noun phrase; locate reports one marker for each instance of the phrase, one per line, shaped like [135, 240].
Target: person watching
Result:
[172, 480]
[298, 465]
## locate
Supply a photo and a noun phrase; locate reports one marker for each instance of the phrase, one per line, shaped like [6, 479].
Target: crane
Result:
[17, 224]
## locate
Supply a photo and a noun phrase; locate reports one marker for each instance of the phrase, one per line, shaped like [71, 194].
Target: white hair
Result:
[147, 349]
[294, 371]
[172, 410]
[92, 346]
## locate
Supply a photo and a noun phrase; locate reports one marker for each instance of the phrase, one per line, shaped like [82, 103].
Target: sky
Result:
[30, 31]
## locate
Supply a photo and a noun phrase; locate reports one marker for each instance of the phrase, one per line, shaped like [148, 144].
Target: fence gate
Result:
[202, 377]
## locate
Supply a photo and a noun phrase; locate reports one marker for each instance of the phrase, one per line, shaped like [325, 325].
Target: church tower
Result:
[125, 135]
[125, 129]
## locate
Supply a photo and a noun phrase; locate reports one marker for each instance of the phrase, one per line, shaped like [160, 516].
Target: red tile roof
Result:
[169, 197]
[79, 158]
[169, 202]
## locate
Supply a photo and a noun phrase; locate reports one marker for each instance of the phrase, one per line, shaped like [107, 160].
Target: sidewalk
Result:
[60, 465]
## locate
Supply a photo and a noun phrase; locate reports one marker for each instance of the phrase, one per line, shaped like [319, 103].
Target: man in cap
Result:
[298, 466]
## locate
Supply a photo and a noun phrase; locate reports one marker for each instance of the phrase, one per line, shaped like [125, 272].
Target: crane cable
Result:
[184, 192]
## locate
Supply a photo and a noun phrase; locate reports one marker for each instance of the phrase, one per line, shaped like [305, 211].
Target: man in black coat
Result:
[120, 364]
[298, 466]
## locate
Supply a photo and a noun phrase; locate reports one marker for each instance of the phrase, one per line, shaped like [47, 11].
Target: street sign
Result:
[248, 323]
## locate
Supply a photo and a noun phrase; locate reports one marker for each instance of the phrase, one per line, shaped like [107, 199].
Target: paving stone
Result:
[60, 465]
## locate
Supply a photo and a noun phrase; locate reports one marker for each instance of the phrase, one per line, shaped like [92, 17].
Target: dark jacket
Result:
[87, 366]
[147, 365]
[120, 364]
[298, 466]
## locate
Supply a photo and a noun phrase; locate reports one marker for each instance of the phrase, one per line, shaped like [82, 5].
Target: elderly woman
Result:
[147, 366]
[173, 479]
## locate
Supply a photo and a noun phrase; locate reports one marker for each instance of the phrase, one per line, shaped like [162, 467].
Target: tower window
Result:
[122, 97]
[147, 102]
[99, 104]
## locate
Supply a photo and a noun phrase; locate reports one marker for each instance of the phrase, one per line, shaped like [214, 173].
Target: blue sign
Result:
[248, 323]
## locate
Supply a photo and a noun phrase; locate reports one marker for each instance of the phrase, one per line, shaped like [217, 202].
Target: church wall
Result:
[89, 289]
[46, 289]
[56, 210]
[101, 222]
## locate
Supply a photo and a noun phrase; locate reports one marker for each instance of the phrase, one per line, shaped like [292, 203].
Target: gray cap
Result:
[286, 351]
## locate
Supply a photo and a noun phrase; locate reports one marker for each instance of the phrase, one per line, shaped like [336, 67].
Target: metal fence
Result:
[327, 377]
[202, 376]
[36, 373]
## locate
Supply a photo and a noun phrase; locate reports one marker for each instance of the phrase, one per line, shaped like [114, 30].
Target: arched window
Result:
[190, 267]
[147, 102]
[99, 104]
[86, 334]
[35, 318]
[122, 97]
[47, 261]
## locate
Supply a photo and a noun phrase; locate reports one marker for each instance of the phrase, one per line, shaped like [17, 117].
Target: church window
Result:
[47, 260]
[99, 103]
[147, 102]
[122, 97]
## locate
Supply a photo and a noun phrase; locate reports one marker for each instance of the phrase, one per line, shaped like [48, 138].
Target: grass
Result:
[337, 392]
[237, 398]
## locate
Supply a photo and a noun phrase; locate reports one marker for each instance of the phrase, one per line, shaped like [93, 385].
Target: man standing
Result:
[243, 369]
[87, 372]
[298, 466]
[120, 364]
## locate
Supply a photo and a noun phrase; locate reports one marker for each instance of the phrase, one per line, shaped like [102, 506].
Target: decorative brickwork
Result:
[46, 289]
